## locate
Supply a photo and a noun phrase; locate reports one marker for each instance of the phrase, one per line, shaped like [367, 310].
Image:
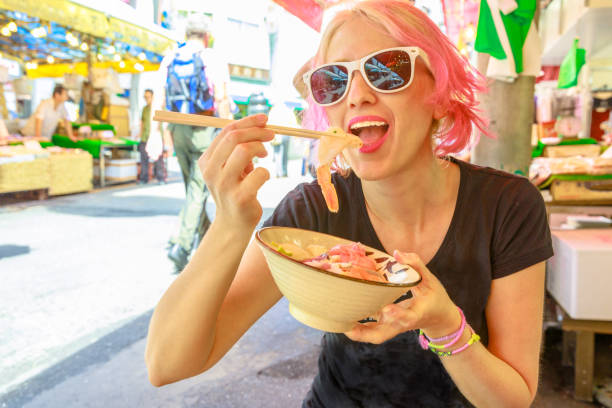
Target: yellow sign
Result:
[80, 68]
[62, 12]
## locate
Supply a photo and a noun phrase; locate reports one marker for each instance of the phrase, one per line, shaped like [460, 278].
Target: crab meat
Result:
[329, 148]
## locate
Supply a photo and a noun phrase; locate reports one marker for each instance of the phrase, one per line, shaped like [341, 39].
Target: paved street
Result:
[80, 277]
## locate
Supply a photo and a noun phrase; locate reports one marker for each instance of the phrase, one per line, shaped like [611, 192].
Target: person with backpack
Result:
[195, 79]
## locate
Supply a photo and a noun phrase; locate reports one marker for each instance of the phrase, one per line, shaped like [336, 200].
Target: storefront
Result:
[89, 51]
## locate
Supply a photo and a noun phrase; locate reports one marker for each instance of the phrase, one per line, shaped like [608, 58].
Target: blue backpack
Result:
[187, 84]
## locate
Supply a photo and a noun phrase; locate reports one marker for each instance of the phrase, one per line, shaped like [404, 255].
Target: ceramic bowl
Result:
[322, 299]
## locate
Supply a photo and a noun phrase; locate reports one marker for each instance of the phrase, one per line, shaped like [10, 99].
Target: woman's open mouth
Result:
[372, 133]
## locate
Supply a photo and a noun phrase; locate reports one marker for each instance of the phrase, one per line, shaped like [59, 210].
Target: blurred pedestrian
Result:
[281, 114]
[195, 80]
[145, 132]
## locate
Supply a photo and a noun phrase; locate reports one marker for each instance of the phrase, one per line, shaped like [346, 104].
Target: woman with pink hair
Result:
[470, 332]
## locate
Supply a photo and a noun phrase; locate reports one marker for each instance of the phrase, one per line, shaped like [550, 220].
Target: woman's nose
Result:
[359, 91]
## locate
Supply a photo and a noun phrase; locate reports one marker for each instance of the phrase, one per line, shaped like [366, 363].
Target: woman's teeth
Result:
[355, 128]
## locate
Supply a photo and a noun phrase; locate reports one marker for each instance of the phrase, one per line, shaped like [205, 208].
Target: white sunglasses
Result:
[387, 71]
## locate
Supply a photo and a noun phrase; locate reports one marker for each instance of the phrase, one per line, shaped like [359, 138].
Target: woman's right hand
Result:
[227, 168]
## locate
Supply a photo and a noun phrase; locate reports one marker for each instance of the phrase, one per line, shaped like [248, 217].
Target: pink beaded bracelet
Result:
[426, 342]
[473, 339]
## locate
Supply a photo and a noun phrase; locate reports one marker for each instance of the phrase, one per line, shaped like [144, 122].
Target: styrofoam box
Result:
[118, 169]
[579, 275]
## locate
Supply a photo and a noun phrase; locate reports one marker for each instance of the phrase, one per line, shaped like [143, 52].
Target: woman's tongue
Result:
[371, 134]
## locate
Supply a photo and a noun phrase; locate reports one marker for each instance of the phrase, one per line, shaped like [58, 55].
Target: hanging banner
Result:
[309, 11]
[460, 19]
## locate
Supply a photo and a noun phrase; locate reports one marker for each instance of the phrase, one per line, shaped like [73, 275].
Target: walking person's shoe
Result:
[179, 256]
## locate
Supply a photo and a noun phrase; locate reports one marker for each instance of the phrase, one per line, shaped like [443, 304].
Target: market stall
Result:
[572, 165]
[85, 49]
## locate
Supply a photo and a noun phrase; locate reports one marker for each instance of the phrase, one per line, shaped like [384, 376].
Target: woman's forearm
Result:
[486, 380]
[182, 329]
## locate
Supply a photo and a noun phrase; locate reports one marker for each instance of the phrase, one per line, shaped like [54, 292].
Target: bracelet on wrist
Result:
[428, 343]
[473, 339]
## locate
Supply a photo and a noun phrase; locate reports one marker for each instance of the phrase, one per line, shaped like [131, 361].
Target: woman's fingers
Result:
[412, 259]
[399, 315]
[240, 157]
[255, 179]
[212, 152]
[231, 140]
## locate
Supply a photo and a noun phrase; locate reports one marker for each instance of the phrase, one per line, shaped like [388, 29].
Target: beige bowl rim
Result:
[369, 282]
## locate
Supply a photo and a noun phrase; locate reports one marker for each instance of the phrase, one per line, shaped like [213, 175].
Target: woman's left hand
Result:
[429, 309]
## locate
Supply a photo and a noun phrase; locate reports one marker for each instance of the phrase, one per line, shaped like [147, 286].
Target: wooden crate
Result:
[582, 190]
[70, 173]
[25, 176]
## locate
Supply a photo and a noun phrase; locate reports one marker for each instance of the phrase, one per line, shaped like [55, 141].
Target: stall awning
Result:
[54, 37]
[94, 22]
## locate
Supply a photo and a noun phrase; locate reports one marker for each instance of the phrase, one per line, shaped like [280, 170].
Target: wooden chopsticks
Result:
[211, 121]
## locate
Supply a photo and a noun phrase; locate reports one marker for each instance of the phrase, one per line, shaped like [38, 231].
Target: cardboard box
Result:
[119, 117]
[70, 172]
[579, 275]
[582, 190]
[585, 150]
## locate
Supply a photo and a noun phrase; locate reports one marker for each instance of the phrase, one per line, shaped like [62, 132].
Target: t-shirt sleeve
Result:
[522, 234]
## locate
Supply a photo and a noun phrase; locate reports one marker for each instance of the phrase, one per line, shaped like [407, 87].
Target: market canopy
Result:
[55, 32]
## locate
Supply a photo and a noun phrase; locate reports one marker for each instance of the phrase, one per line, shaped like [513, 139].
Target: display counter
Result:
[50, 171]
[103, 151]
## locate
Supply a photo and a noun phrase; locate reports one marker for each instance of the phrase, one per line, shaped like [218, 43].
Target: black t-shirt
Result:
[499, 227]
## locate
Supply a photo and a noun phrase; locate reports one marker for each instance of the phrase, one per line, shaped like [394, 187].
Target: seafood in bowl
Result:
[353, 260]
[332, 283]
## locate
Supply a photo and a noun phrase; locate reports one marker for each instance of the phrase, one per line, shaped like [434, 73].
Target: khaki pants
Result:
[189, 144]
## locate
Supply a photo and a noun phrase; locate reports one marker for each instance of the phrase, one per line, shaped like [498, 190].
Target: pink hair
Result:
[457, 83]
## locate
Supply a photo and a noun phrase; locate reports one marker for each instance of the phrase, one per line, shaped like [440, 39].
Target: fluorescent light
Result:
[138, 67]
[116, 57]
[39, 32]
[12, 26]
[122, 64]
[84, 46]
[142, 56]
[6, 31]
[111, 49]
[50, 59]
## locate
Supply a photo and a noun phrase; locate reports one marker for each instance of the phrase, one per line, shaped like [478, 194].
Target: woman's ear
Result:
[439, 112]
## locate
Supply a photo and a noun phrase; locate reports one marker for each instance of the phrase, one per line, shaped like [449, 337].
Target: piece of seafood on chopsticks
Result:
[329, 149]
[331, 144]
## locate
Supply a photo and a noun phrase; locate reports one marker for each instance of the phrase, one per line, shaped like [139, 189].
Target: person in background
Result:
[43, 123]
[281, 114]
[145, 131]
[194, 80]
[469, 333]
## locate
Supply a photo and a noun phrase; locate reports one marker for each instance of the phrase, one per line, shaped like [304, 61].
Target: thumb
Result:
[413, 260]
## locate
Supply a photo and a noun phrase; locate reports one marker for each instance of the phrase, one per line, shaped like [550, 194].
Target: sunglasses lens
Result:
[328, 83]
[389, 70]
